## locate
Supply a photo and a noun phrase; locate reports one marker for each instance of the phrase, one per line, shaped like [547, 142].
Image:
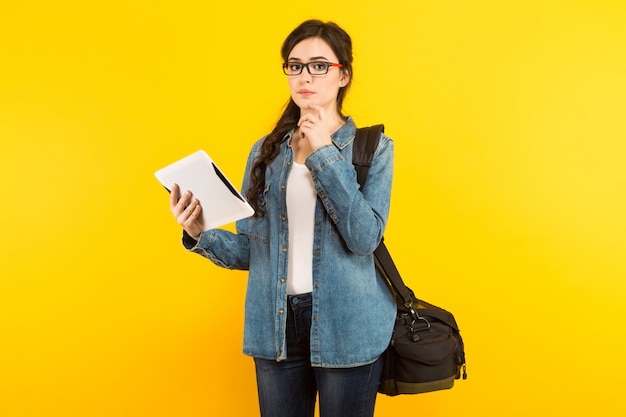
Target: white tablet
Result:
[221, 202]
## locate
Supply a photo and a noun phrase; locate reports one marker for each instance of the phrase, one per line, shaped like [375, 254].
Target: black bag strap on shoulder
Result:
[365, 143]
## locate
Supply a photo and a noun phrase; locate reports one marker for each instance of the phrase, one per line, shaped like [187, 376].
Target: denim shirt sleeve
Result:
[360, 217]
[222, 247]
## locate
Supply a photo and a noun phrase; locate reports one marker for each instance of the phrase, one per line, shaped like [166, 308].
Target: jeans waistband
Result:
[300, 300]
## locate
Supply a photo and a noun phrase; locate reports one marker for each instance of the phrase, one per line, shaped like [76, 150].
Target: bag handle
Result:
[365, 143]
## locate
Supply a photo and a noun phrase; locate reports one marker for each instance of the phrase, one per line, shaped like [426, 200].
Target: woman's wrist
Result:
[190, 241]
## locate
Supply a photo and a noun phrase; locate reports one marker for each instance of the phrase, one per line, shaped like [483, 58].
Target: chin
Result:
[303, 102]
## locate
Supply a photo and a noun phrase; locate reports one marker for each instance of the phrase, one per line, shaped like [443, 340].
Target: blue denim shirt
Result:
[353, 310]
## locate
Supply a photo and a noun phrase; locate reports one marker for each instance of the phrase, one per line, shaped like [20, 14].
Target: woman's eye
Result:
[318, 66]
[295, 67]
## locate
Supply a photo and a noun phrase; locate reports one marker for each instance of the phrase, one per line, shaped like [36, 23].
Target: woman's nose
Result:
[305, 75]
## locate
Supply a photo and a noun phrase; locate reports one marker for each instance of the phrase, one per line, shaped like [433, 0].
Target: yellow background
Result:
[508, 205]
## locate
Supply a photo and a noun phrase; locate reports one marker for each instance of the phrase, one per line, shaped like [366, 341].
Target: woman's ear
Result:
[345, 78]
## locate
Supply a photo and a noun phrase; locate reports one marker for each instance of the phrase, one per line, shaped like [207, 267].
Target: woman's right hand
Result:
[186, 211]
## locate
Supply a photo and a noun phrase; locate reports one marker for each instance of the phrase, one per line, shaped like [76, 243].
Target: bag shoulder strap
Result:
[365, 143]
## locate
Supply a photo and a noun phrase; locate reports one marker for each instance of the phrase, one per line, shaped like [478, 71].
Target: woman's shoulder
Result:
[258, 144]
[384, 141]
[384, 138]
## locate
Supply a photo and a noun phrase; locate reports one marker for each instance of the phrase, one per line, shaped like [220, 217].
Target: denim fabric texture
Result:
[353, 311]
[289, 388]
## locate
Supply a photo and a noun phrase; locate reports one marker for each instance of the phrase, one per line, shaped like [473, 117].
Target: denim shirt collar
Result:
[341, 138]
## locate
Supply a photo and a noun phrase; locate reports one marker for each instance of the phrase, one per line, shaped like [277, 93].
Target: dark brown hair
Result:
[341, 44]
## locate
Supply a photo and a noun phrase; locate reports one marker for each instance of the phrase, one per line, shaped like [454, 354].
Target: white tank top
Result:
[301, 198]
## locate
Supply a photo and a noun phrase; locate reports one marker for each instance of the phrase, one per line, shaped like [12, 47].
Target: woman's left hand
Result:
[313, 127]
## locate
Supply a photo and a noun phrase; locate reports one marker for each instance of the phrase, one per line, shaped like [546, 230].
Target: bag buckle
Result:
[415, 317]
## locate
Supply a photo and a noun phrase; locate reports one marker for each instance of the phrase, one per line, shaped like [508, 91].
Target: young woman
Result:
[317, 315]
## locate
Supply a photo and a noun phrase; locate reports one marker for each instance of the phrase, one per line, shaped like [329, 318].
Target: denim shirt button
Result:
[284, 249]
[282, 280]
[283, 218]
[281, 311]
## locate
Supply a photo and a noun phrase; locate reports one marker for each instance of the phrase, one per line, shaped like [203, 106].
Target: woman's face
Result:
[321, 90]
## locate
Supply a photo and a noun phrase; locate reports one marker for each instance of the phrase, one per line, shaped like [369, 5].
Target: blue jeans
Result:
[289, 388]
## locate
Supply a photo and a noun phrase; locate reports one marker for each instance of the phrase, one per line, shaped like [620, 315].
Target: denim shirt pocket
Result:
[258, 228]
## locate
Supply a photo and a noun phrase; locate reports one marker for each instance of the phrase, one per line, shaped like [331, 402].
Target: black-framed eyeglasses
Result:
[314, 68]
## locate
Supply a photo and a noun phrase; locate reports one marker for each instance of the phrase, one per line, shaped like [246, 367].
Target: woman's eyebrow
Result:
[315, 58]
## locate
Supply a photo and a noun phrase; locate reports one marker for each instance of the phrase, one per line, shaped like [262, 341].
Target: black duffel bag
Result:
[426, 352]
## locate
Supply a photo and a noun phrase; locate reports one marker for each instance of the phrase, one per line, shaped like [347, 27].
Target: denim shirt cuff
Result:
[322, 157]
[205, 240]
